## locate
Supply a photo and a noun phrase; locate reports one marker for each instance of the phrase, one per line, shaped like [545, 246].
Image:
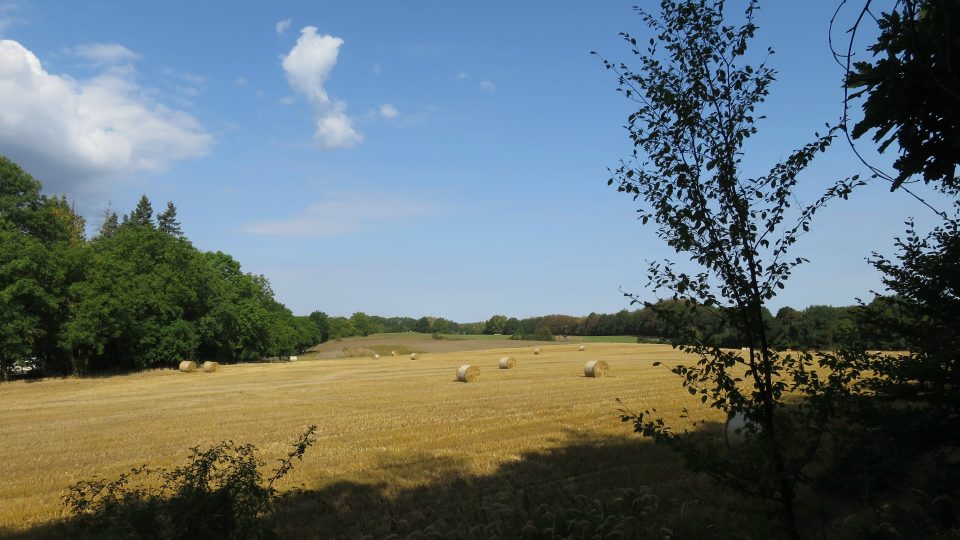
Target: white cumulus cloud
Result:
[282, 26]
[389, 111]
[74, 133]
[341, 214]
[307, 67]
[104, 53]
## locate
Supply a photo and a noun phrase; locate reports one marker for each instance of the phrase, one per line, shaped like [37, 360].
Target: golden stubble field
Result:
[383, 421]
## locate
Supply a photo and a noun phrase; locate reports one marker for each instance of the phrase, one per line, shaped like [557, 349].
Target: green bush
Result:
[220, 493]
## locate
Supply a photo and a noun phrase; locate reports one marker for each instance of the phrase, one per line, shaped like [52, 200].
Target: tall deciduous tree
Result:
[696, 95]
[496, 325]
[320, 319]
[23, 297]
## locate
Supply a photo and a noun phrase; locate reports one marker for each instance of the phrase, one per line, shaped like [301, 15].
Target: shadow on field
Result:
[614, 487]
[624, 487]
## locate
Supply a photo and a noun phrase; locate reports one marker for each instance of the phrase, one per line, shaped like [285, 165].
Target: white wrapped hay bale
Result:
[536, 351]
[595, 368]
[468, 373]
[293, 358]
[413, 356]
[583, 348]
[210, 367]
[188, 366]
[507, 362]
[738, 430]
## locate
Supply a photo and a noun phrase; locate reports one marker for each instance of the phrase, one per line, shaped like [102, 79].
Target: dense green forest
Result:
[136, 295]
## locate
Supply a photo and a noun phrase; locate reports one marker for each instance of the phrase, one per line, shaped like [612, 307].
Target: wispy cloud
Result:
[7, 10]
[389, 111]
[101, 54]
[192, 78]
[487, 86]
[463, 75]
[282, 26]
[341, 214]
[183, 87]
[240, 81]
[308, 66]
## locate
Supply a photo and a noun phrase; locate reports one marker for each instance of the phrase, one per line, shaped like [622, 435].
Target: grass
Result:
[391, 429]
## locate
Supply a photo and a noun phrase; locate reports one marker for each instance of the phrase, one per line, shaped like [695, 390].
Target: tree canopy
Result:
[137, 295]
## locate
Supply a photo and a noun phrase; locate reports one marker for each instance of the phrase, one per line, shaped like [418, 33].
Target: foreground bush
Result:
[220, 493]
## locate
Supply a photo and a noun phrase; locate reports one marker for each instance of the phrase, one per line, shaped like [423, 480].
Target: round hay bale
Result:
[413, 356]
[393, 353]
[293, 358]
[376, 356]
[583, 347]
[738, 430]
[468, 373]
[188, 366]
[507, 362]
[595, 368]
[536, 351]
[210, 367]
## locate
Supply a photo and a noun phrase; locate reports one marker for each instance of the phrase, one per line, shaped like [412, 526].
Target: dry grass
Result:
[370, 413]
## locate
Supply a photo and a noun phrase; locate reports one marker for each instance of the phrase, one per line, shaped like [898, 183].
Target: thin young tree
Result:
[696, 93]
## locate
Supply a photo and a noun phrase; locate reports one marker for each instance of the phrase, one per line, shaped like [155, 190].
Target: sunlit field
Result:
[393, 423]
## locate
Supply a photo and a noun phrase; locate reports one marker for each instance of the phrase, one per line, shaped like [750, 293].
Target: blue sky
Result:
[400, 158]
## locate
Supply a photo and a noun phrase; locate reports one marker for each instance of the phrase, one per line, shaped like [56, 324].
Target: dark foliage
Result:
[912, 90]
[219, 493]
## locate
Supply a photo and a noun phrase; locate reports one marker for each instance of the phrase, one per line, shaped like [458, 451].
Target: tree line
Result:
[815, 327]
[136, 295]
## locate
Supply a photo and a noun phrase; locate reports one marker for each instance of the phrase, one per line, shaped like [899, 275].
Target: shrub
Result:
[220, 493]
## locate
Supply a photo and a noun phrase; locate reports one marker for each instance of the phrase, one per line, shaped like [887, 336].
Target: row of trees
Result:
[361, 324]
[137, 295]
[816, 327]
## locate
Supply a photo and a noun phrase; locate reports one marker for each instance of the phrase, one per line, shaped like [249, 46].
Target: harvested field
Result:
[383, 423]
